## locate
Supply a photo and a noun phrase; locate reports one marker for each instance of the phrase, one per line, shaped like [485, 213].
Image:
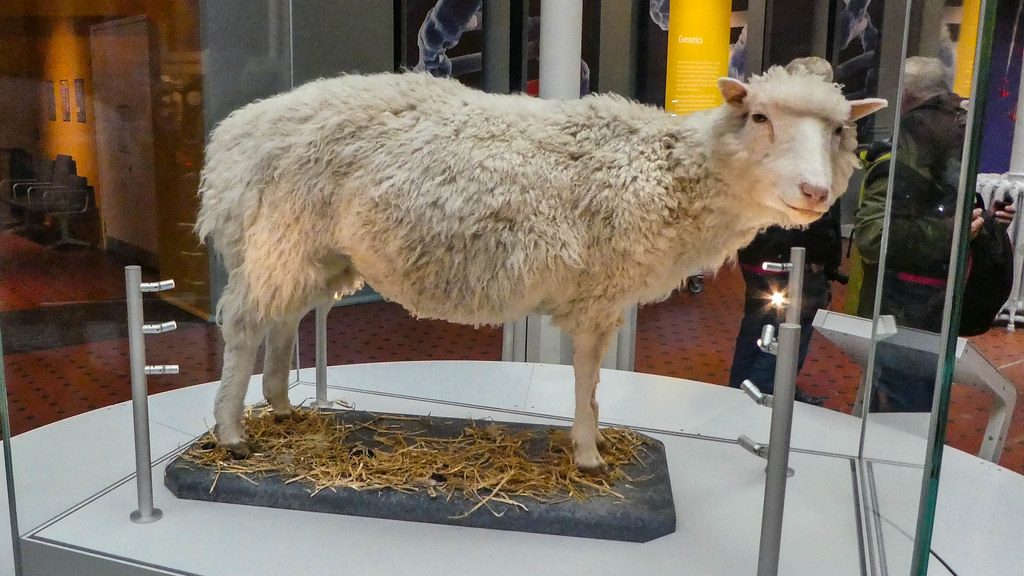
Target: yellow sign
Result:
[698, 54]
[965, 48]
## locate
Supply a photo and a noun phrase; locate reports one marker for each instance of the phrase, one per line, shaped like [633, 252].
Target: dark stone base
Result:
[647, 513]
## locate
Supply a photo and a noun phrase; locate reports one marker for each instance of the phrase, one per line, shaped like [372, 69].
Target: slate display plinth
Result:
[648, 511]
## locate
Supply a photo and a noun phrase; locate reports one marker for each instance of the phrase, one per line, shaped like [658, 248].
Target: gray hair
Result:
[925, 77]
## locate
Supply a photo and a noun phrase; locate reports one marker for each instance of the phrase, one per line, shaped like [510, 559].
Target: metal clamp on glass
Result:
[767, 342]
[160, 286]
[159, 328]
[755, 393]
[759, 450]
[777, 266]
[161, 369]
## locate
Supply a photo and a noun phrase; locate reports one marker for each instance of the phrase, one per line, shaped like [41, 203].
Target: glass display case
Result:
[100, 197]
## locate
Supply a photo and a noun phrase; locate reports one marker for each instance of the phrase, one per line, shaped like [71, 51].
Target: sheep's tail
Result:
[211, 224]
[218, 198]
[270, 271]
[226, 207]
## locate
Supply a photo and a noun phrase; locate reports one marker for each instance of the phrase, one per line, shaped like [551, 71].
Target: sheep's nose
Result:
[814, 194]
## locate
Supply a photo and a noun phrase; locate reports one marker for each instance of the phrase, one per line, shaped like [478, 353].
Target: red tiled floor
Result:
[1013, 454]
[31, 277]
[1000, 346]
[689, 336]
[692, 336]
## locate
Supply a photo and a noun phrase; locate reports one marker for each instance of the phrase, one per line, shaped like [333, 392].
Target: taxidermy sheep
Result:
[479, 208]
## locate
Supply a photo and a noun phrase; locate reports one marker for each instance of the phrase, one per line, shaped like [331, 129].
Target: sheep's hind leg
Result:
[241, 341]
[589, 348]
[277, 361]
[597, 419]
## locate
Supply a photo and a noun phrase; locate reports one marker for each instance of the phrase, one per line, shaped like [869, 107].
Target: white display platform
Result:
[75, 490]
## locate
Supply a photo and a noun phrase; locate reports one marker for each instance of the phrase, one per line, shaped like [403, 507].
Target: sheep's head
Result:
[790, 138]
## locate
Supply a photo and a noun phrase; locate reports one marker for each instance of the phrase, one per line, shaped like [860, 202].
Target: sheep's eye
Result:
[759, 118]
[839, 130]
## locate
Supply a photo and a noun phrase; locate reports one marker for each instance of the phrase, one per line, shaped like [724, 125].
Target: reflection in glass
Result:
[912, 223]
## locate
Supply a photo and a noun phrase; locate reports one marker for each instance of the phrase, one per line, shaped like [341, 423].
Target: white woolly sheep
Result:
[479, 208]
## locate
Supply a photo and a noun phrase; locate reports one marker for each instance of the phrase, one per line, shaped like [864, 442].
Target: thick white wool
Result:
[479, 208]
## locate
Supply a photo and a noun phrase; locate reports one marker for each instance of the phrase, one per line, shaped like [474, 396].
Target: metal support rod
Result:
[146, 513]
[783, 397]
[778, 449]
[12, 500]
[757, 16]
[1017, 149]
[321, 353]
[561, 45]
[796, 285]
[819, 30]
[497, 40]
[295, 359]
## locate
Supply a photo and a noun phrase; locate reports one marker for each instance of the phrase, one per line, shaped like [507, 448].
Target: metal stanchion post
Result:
[497, 39]
[321, 354]
[778, 450]
[795, 289]
[295, 359]
[134, 287]
[140, 399]
[783, 398]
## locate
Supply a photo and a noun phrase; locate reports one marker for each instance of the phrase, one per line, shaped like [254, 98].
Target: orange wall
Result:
[61, 48]
[48, 40]
[64, 51]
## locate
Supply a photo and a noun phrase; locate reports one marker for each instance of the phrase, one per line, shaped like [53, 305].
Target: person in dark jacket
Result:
[925, 174]
[823, 243]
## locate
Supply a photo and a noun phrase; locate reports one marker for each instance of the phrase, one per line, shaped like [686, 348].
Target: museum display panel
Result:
[861, 496]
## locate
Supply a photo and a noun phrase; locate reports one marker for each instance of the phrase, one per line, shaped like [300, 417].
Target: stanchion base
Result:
[139, 519]
[789, 472]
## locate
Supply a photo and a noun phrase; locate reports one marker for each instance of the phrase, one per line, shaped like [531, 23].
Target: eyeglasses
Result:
[960, 114]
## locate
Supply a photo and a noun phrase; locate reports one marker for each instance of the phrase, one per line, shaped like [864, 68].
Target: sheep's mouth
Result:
[805, 211]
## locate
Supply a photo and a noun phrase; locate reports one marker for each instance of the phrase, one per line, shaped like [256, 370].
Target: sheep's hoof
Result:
[292, 415]
[592, 465]
[587, 461]
[239, 450]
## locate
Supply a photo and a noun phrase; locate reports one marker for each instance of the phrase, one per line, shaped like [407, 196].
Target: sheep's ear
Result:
[862, 108]
[732, 90]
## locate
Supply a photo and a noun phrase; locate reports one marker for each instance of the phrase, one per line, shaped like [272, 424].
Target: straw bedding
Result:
[484, 463]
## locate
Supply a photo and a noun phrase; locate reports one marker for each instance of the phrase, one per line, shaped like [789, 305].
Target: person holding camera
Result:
[925, 174]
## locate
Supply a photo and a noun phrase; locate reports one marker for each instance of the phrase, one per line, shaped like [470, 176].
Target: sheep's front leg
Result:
[589, 348]
[241, 341]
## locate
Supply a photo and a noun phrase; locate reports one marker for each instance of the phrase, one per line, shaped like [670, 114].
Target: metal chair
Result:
[62, 195]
